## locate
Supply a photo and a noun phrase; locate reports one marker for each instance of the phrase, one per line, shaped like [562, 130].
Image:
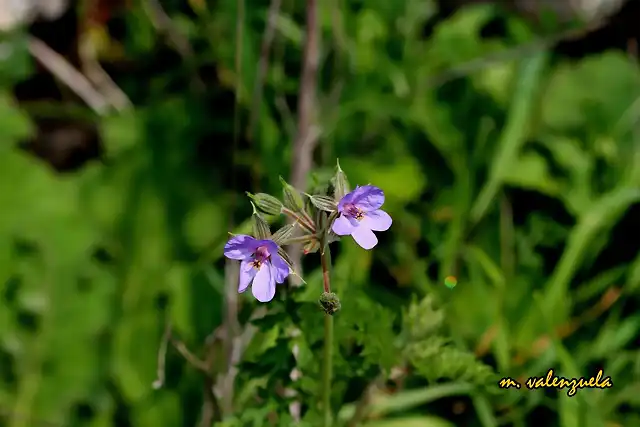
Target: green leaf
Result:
[531, 172]
[204, 224]
[122, 132]
[373, 329]
[409, 399]
[613, 81]
[16, 63]
[14, 124]
[402, 180]
[457, 39]
[515, 133]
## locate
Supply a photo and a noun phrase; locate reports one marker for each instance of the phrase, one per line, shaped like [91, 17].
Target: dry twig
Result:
[70, 76]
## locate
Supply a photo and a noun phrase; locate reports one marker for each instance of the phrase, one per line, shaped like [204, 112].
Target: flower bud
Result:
[330, 303]
[285, 256]
[324, 203]
[266, 203]
[322, 224]
[292, 198]
[283, 234]
[260, 226]
[340, 183]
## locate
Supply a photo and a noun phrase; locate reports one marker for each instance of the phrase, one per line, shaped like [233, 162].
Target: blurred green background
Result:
[506, 161]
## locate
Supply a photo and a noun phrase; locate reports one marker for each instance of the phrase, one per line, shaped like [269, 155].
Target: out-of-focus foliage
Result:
[521, 178]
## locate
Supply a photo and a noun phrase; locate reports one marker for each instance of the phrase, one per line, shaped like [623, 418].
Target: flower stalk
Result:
[301, 218]
[323, 219]
[326, 279]
[327, 372]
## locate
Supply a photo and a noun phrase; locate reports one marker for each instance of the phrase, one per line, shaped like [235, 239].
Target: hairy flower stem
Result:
[303, 219]
[300, 239]
[325, 258]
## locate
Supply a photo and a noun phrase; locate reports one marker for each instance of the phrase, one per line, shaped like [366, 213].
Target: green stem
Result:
[327, 373]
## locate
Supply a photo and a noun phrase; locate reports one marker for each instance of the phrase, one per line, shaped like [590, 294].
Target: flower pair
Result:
[358, 215]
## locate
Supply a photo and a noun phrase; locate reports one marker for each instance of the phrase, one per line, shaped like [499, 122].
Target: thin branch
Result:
[191, 358]
[210, 412]
[163, 23]
[364, 403]
[104, 83]
[162, 357]
[304, 144]
[263, 64]
[286, 116]
[69, 75]
[306, 134]
[240, 342]
[563, 331]
[230, 324]
[305, 141]
[279, 48]
[6, 415]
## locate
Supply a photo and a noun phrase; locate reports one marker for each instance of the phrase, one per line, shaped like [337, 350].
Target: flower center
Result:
[353, 211]
[262, 254]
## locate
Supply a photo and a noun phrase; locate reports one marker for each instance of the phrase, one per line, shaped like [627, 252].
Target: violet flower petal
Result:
[364, 237]
[347, 198]
[377, 220]
[240, 247]
[342, 226]
[279, 268]
[264, 284]
[271, 246]
[247, 273]
[368, 198]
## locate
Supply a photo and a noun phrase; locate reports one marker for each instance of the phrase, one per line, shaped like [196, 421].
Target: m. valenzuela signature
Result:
[550, 380]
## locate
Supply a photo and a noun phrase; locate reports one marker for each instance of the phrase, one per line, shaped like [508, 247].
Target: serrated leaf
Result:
[373, 329]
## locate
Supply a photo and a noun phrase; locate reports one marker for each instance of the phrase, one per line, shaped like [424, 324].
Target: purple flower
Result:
[260, 264]
[360, 213]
